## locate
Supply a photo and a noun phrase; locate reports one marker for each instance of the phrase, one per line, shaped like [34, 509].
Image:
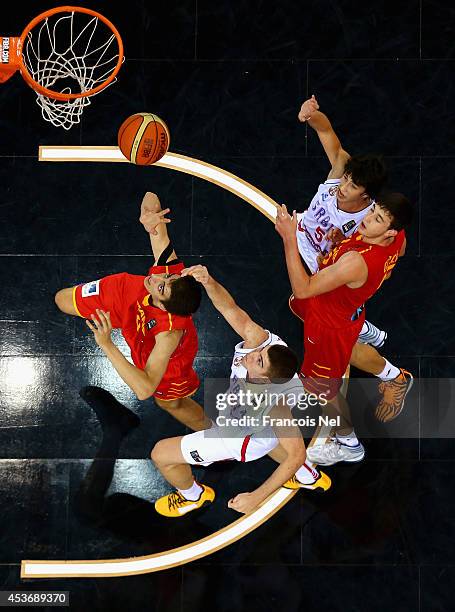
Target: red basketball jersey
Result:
[144, 321]
[126, 298]
[338, 306]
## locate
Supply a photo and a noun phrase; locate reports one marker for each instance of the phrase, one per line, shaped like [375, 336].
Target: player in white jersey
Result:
[264, 386]
[324, 215]
[336, 212]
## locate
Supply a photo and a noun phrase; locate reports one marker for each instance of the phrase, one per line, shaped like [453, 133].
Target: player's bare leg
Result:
[168, 458]
[186, 411]
[366, 358]
[396, 382]
[306, 477]
[338, 408]
[64, 301]
[190, 495]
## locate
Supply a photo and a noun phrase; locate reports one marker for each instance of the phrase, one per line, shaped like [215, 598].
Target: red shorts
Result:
[178, 381]
[327, 350]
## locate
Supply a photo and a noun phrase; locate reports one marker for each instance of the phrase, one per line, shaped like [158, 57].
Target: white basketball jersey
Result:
[323, 214]
[293, 389]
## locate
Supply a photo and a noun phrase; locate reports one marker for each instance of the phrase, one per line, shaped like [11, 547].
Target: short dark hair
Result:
[185, 296]
[399, 208]
[283, 363]
[369, 171]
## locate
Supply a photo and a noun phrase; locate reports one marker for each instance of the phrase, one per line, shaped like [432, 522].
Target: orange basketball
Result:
[143, 138]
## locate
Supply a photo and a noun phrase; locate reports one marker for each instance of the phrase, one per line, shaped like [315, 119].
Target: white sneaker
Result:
[373, 335]
[334, 452]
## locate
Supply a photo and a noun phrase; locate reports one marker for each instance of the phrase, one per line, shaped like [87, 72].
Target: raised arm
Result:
[332, 146]
[238, 319]
[152, 218]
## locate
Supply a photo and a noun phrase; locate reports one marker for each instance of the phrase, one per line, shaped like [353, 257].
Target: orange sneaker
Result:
[394, 393]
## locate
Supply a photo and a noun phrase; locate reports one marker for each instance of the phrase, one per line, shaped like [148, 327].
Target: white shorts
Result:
[206, 447]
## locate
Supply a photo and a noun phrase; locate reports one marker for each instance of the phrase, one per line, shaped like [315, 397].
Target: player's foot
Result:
[394, 393]
[175, 505]
[372, 335]
[322, 482]
[334, 452]
[111, 414]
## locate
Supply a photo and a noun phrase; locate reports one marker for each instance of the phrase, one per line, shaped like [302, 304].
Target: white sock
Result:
[389, 372]
[193, 493]
[350, 440]
[307, 474]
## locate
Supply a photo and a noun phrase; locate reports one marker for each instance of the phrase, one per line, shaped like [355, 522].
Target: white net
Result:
[69, 54]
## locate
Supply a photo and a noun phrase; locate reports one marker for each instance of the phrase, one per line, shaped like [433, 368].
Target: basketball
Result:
[143, 138]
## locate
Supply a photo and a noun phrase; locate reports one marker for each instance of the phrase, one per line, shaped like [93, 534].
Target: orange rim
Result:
[55, 94]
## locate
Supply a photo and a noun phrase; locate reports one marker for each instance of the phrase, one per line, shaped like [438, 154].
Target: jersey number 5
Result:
[319, 234]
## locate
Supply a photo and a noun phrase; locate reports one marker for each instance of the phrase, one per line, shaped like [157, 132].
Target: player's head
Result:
[391, 213]
[276, 363]
[363, 178]
[179, 295]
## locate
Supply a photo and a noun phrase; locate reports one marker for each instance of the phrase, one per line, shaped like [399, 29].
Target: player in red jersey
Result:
[335, 213]
[154, 315]
[331, 303]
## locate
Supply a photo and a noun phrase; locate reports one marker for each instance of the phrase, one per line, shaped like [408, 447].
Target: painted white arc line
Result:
[220, 539]
[171, 161]
[228, 535]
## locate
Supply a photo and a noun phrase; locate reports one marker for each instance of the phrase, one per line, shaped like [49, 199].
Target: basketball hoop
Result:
[67, 55]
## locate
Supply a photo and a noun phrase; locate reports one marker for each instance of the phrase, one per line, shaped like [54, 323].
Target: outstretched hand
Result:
[101, 327]
[307, 109]
[150, 220]
[285, 225]
[199, 273]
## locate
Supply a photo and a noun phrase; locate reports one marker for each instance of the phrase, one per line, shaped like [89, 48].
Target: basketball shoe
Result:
[394, 393]
[334, 451]
[322, 482]
[371, 334]
[175, 505]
